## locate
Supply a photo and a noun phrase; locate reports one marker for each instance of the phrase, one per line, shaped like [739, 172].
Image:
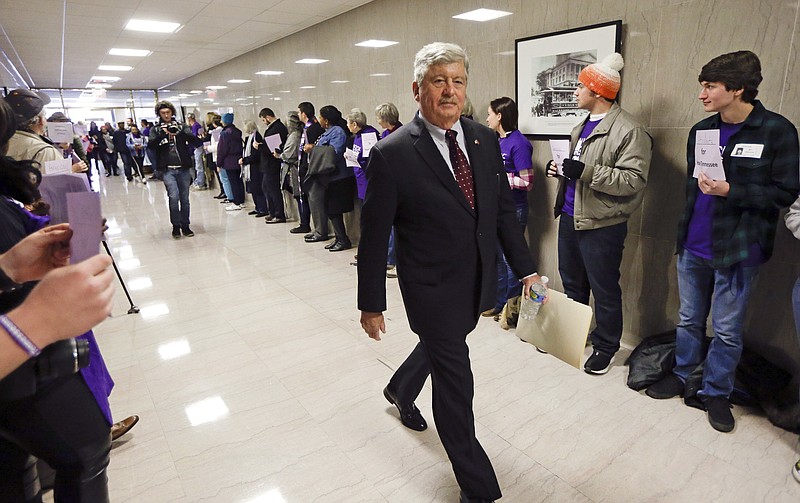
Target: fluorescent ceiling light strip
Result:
[376, 43]
[269, 72]
[482, 15]
[238, 81]
[216, 87]
[105, 77]
[311, 61]
[139, 53]
[380, 74]
[152, 26]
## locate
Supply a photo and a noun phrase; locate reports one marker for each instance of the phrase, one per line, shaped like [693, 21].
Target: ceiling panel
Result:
[214, 31]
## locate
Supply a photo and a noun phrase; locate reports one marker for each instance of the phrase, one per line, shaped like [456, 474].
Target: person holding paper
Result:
[728, 227]
[312, 130]
[29, 142]
[172, 143]
[435, 179]
[274, 139]
[251, 168]
[290, 156]
[602, 184]
[517, 153]
[357, 124]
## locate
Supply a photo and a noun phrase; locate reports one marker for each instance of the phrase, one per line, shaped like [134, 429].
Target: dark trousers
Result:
[127, 164]
[272, 189]
[257, 190]
[110, 162]
[446, 359]
[237, 186]
[589, 261]
[62, 425]
[138, 163]
[303, 208]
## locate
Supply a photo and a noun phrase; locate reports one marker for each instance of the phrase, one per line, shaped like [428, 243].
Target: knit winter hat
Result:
[603, 77]
[227, 118]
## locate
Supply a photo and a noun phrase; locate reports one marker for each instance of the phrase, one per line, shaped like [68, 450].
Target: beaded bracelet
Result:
[19, 337]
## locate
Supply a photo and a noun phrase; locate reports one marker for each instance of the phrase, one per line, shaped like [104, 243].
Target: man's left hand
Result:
[713, 187]
[373, 324]
[573, 169]
[528, 281]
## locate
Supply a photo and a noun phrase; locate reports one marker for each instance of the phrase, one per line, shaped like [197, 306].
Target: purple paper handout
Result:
[86, 221]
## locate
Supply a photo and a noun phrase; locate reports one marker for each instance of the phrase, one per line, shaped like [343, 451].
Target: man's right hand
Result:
[373, 324]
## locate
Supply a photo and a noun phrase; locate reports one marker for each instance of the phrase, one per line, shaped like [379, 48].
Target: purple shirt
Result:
[387, 132]
[699, 236]
[196, 127]
[569, 196]
[517, 154]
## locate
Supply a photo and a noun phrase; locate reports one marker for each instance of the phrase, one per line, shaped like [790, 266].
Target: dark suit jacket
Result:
[446, 252]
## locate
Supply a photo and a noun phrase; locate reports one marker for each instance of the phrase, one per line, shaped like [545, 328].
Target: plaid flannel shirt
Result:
[523, 180]
[759, 188]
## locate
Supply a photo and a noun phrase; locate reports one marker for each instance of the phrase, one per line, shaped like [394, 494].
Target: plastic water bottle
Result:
[530, 308]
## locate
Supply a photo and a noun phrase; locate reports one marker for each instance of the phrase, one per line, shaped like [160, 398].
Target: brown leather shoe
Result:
[122, 427]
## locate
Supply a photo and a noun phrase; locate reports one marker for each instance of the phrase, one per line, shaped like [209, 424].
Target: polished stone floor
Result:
[254, 383]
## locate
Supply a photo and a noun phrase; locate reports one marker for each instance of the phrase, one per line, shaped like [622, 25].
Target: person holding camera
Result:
[173, 143]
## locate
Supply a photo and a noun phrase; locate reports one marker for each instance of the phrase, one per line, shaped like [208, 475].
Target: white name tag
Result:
[752, 150]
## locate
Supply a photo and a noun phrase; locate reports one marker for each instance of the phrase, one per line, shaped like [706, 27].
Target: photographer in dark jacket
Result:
[173, 143]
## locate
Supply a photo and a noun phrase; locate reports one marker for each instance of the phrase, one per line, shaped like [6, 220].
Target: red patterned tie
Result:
[461, 167]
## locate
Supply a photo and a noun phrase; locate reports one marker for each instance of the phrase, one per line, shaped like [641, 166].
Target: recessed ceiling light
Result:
[209, 99]
[104, 78]
[482, 15]
[152, 26]
[277, 98]
[196, 91]
[115, 68]
[284, 91]
[376, 43]
[339, 81]
[269, 72]
[311, 61]
[379, 74]
[308, 87]
[238, 81]
[216, 87]
[139, 53]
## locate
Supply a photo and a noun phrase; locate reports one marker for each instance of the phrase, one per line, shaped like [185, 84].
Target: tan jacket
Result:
[25, 146]
[617, 159]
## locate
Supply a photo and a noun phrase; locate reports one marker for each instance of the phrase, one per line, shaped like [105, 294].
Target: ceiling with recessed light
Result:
[64, 43]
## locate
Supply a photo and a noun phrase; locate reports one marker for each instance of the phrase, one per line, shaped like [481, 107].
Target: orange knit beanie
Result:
[603, 77]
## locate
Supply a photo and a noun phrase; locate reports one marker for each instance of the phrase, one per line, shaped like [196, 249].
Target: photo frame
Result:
[547, 68]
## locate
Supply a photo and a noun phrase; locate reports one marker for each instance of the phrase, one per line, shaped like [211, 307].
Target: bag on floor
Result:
[510, 313]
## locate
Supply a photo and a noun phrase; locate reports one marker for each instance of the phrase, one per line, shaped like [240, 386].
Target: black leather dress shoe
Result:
[300, 229]
[463, 498]
[339, 246]
[410, 415]
[331, 245]
[316, 238]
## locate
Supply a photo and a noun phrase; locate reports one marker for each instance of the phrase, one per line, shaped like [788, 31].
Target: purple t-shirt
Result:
[699, 236]
[517, 154]
[196, 127]
[569, 196]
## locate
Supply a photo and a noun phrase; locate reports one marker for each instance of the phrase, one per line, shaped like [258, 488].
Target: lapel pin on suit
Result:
[477, 142]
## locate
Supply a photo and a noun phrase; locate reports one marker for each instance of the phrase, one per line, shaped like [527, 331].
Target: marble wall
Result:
[664, 42]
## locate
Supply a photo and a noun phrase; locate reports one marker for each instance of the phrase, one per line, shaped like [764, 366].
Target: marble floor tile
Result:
[254, 382]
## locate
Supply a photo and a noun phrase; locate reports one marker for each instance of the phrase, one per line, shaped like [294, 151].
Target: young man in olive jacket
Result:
[601, 184]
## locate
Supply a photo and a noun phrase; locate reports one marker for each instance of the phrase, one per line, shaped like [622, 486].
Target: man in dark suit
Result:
[440, 181]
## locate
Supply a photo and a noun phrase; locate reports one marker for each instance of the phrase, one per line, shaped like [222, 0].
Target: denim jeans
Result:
[226, 184]
[177, 182]
[589, 261]
[200, 179]
[725, 293]
[508, 285]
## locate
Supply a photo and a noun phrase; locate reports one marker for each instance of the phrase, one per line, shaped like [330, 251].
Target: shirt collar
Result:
[438, 133]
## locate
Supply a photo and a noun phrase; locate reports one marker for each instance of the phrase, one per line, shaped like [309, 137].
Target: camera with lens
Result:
[173, 127]
[62, 358]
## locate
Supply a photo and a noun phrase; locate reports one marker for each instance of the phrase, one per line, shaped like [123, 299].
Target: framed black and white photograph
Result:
[547, 69]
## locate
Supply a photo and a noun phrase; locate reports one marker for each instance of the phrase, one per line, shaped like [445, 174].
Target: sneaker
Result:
[667, 387]
[234, 207]
[176, 232]
[598, 363]
[198, 188]
[796, 470]
[719, 413]
[187, 232]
